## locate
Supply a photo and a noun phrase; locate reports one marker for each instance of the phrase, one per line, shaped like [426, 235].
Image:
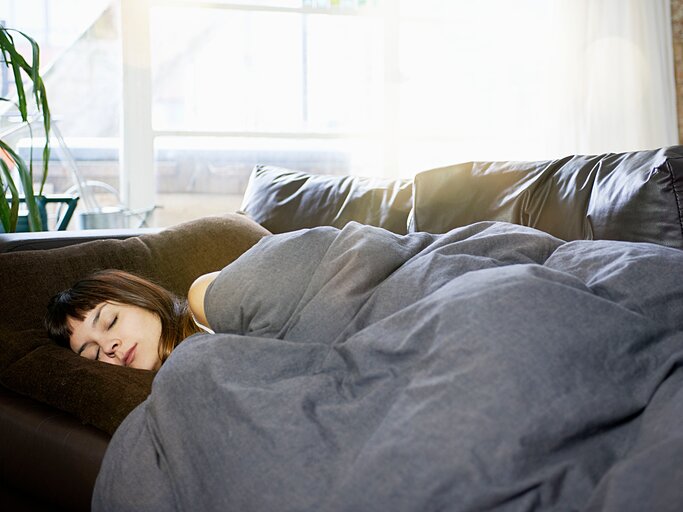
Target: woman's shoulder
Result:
[196, 294]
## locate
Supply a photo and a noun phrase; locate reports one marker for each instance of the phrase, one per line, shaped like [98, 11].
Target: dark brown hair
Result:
[125, 288]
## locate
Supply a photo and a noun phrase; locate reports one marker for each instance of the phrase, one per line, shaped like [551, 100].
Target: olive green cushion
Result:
[98, 393]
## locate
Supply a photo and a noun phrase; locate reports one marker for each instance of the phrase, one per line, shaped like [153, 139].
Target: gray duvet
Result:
[490, 368]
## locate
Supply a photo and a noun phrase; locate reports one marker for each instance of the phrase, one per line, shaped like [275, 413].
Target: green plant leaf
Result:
[5, 214]
[34, 69]
[9, 212]
[45, 108]
[15, 62]
[34, 221]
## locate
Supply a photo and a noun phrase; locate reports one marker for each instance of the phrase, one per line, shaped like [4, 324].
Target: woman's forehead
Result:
[87, 316]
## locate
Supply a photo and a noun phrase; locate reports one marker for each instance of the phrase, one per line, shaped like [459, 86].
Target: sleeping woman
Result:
[123, 319]
[482, 363]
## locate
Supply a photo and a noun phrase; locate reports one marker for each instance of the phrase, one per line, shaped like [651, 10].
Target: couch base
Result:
[48, 460]
[16, 501]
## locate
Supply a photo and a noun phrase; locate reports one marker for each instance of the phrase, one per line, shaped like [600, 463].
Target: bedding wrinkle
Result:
[345, 279]
[493, 240]
[309, 407]
[430, 269]
[158, 493]
[334, 274]
[541, 491]
[661, 418]
[666, 371]
[354, 381]
[352, 460]
[162, 462]
[660, 465]
[242, 283]
[614, 269]
[361, 351]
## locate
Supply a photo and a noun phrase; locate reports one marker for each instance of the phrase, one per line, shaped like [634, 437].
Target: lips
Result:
[130, 355]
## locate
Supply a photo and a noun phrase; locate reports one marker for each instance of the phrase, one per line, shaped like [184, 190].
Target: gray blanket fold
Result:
[490, 368]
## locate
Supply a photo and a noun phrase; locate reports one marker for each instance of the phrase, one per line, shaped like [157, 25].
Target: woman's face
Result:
[118, 334]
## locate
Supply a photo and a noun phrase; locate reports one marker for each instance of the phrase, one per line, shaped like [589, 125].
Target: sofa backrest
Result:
[286, 200]
[634, 196]
[41, 240]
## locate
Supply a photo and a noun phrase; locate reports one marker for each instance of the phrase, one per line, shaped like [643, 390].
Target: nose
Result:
[110, 348]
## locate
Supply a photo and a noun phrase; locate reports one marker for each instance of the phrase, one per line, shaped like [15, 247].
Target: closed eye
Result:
[113, 322]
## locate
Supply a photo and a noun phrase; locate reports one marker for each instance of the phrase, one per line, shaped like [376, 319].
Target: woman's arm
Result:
[195, 297]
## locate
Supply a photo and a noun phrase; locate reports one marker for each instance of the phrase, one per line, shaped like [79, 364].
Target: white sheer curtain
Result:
[527, 79]
[622, 96]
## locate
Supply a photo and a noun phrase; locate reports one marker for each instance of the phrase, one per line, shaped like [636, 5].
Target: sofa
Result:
[57, 414]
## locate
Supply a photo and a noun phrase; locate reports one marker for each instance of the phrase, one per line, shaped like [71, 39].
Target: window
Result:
[294, 84]
[208, 89]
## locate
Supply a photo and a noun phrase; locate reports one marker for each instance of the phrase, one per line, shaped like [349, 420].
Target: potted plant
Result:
[12, 165]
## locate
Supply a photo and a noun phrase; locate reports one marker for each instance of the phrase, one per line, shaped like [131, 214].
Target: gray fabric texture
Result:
[493, 367]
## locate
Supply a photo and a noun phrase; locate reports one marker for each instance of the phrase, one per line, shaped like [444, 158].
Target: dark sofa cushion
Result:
[635, 196]
[100, 394]
[285, 200]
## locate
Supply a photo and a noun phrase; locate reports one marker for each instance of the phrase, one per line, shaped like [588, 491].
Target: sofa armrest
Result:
[12, 242]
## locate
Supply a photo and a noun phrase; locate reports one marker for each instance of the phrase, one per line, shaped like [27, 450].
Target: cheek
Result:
[153, 333]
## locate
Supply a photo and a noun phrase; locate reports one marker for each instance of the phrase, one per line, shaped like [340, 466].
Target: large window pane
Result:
[226, 70]
[299, 89]
[242, 71]
[345, 71]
